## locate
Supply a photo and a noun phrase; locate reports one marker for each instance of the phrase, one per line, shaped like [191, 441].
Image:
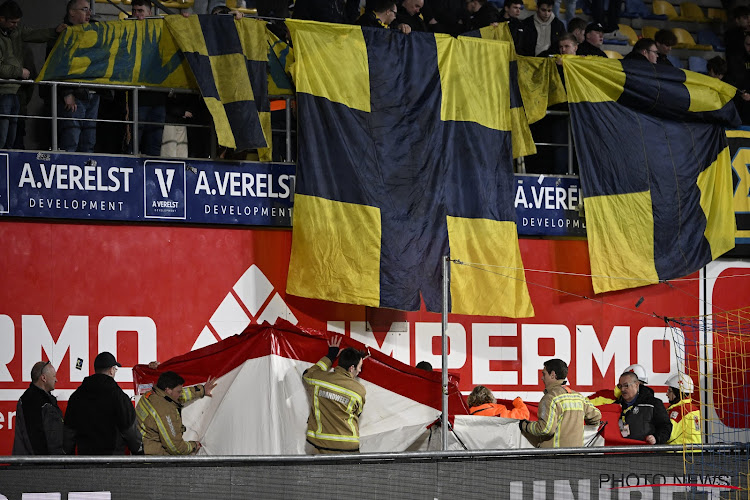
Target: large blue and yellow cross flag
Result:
[225, 58]
[404, 156]
[655, 168]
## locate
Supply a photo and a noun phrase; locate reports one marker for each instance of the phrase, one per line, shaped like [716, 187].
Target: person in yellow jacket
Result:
[683, 412]
[483, 403]
[337, 399]
[159, 415]
[562, 411]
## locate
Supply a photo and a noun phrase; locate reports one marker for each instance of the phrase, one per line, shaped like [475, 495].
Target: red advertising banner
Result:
[146, 292]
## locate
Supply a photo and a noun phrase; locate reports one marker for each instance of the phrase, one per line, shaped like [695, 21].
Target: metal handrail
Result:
[134, 121]
[368, 457]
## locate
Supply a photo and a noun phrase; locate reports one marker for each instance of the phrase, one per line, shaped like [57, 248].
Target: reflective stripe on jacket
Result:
[336, 401]
[686, 423]
[160, 422]
[562, 414]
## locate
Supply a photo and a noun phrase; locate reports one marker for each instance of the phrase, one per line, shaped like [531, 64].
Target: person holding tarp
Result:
[483, 403]
[337, 399]
[562, 411]
[159, 415]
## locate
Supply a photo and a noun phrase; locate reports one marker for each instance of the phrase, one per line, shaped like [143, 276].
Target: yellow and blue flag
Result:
[404, 156]
[229, 59]
[655, 168]
[119, 52]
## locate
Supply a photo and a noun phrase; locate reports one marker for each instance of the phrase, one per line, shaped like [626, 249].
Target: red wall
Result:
[135, 289]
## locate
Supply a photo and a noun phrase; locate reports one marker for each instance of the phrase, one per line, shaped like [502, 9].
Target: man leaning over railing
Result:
[12, 38]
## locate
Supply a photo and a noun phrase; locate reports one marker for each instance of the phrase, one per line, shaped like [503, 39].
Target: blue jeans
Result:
[150, 135]
[570, 11]
[78, 135]
[9, 105]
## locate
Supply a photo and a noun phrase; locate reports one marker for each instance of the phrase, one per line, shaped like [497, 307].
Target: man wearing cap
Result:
[100, 419]
[592, 45]
[684, 414]
[39, 421]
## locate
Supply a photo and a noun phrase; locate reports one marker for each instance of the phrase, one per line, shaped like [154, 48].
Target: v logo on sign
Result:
[165, 186]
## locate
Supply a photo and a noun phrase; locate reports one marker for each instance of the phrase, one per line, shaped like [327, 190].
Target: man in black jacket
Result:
[380, 15]
[100, 419]
[409, 17]
[542, 31]
[39, 421]
[592, 45]
[480, 13]
[643, 416]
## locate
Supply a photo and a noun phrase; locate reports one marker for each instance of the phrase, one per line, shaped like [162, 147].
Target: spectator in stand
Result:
[12, 39]
[408, 15]
[644, 50]
[567, 45]
[100, 419]
[643, 416]
[734, 38]
[39, 421]
[511, 15]
[613, 14]
[684, 414]
[442, 16]
[152, 105]
[738, 74]
[77, 103]
[480, 13]
[381, 14]
[159, 415]
[482, 402]
[664, 40]
[174, 141]
[542, 30]
[592, 45]
[328, 11]
[570, 10]
[717, 67]
[577, 27]
[562, 411]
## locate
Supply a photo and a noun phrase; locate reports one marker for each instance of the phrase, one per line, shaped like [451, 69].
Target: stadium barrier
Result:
[573, 473]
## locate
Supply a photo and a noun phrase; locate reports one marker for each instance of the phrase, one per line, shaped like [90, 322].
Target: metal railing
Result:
[134, 122]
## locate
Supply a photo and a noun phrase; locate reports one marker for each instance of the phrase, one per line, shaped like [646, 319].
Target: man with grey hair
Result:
[39, 421]
[643, 417]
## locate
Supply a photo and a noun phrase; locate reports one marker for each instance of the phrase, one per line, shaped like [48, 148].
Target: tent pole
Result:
[444, 423]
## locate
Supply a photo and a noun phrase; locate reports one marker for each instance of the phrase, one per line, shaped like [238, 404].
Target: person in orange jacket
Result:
[483, 402]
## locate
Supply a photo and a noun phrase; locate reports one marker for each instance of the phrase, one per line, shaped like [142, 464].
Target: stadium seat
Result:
[686, 41]
[698, 64]
[105, 1]
[628, 31]
[636, 8]
[178, 4]
[692, 12]
[666, 9]
[232, 4]
[708, 37]
[717, 14]
[649, 31]
[529, 5]
[676, 61]
[613, 54]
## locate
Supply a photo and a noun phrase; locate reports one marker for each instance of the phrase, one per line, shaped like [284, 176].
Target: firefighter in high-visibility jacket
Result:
[337, 399]
[684, 414]
[160, 418]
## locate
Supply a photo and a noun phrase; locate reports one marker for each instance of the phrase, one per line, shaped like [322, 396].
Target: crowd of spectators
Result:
[543, 33]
